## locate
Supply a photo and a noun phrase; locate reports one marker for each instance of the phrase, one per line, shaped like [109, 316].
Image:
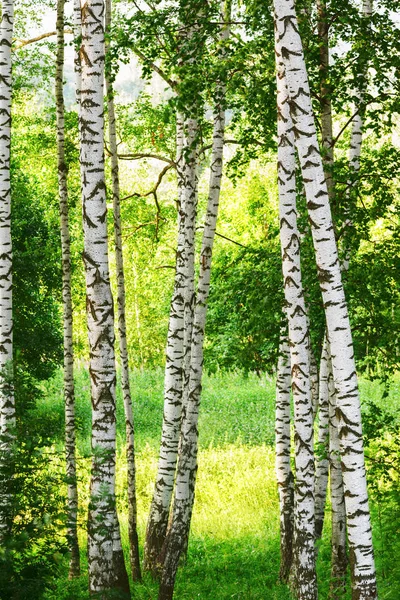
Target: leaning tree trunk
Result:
[160, 506]
[289, 48]
[303, 576]
[123, 344]
[7, 401]
[103, 545]
[284, 473]
[69, 392]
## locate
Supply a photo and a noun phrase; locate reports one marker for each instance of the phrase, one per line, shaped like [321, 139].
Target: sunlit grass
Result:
[234, 544]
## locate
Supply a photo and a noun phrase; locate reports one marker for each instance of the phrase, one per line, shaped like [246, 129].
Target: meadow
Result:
[234, 544]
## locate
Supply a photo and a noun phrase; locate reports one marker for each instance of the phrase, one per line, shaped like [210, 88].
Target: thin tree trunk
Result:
[322, 470]
[178, 533]
[77, 29]
[284, 473]
[69, 391]
[160, 506]
[289, 48]
[322, 463]
[7, 400]
[304, 575]
[106, 566]
[355, 144]
[176, 538]
[339, 554]
[123, 345]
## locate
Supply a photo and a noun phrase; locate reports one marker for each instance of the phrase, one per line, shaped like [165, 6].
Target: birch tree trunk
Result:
[284, 473]
[289, 48]
[69, 391]
[178, 533]
[339, 555]
[7, 401]
[123, 345]
[322, 463]
[176, 538]
[358, 121]
[304, 575]
[322, 469]
[106, 567]
[160, 506]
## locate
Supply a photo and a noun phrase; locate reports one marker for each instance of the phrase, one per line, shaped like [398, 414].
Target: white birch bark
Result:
[123, 344]
[283, 468]
[322, 463]
[69, 390]
[7, 401]
[355, 141]
[304, 574]
[289, 48]
[77, 29]
[358, 121]
[322, 468]
[160, 506]
[104, 553]
[339, 555]
[178, 533]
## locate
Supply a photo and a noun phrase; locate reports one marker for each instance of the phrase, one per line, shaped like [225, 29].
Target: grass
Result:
[234, 544]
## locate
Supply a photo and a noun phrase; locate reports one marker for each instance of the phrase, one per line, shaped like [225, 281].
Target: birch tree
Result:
[179, 329]
[178, 533]
[123, 344]
[160, 507]
[289, 49]
[339, 554]
[69, 391]
[284, 473]
[7, 401]
[304, 574]
[322, 463]
[106, 566]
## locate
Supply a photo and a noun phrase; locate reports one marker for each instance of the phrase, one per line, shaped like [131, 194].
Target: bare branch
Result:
[229, 239]
[140, 155]
[21, 43]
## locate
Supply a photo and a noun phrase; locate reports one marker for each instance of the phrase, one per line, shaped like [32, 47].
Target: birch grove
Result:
[69, 390]
[256, 283]
[289, 48]
[7, 402]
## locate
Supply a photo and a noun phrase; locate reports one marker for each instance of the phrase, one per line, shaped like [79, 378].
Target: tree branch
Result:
[140, 155]
[21, 43]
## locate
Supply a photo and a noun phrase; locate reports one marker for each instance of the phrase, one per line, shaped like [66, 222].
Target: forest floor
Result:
[234, 544]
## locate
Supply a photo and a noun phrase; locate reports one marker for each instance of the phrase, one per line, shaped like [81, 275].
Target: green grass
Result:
[234, 544]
